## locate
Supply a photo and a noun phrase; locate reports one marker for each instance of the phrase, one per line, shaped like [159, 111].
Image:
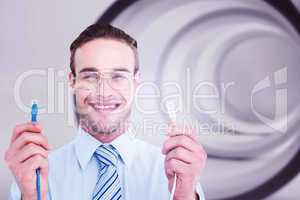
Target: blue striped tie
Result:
[108, 186]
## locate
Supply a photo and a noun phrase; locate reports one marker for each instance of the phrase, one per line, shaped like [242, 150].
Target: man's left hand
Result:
[186, 158]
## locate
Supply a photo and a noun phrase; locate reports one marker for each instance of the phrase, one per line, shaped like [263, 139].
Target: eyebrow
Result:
[89, 69]
[121, 69]
[93, 69]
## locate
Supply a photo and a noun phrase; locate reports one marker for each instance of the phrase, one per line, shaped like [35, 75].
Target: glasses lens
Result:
[116, 80]
[120, 80]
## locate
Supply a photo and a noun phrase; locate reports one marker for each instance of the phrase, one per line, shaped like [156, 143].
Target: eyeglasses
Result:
[116, 79]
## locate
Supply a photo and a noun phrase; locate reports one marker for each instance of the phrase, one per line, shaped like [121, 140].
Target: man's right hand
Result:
[27, 152]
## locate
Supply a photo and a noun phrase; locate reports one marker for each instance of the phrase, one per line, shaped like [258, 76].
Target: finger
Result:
[182, 141]
[174, 166]
[28, 137]
[31, 150]
[44, 168]
[36, 162]
[170, 176]
[183, 155]
[174, 130]
[27, 127]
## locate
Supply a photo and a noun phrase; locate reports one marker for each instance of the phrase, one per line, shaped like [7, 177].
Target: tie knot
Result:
[107, 155]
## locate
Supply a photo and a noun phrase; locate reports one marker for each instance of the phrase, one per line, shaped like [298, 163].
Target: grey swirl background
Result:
[247, 42]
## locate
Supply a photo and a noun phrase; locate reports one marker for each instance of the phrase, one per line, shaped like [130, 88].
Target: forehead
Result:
[104, 54]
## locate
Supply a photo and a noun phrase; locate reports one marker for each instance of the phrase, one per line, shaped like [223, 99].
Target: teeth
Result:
[105, 107]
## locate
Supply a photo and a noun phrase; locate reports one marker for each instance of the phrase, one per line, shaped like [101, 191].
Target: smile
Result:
[106, 107]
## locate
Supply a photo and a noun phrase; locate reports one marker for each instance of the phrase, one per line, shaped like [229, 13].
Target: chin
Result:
[105, 121]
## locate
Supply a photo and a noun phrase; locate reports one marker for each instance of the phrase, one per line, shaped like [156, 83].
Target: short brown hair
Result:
[96, 31]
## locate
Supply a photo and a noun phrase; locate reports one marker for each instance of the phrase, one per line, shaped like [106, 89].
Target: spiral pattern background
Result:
[248, 43]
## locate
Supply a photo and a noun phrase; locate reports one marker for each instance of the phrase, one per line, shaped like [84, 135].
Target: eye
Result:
[118, 77]
[89, 76]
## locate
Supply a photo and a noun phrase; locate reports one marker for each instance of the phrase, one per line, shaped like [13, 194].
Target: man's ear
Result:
[137, 78]
[71, 80]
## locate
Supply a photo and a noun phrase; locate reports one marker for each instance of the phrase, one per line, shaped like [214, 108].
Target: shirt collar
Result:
[86, 145]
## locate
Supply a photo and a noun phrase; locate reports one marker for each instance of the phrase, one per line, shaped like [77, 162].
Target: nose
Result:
[104, 89]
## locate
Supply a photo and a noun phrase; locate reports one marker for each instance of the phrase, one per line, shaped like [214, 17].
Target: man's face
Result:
[104, 84]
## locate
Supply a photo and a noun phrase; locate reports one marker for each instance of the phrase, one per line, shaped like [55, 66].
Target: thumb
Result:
[171, 179]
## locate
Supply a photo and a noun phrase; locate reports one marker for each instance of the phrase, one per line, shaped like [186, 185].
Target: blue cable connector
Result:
[34, 112]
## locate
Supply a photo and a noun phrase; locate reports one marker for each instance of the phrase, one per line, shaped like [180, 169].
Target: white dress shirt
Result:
[73, 170]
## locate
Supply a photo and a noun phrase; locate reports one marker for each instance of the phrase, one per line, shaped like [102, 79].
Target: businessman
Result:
[105, 161]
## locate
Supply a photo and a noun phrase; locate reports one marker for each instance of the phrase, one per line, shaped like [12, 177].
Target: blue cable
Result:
[38, 183]
[34, 112]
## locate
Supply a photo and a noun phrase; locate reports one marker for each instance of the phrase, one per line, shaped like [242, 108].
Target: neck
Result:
[105, 138]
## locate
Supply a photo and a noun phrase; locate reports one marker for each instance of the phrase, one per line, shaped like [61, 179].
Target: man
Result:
[104, 161]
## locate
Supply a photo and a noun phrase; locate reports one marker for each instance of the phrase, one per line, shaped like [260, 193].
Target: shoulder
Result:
[62, 152]
[148, 148]
[148, 153]
[62, 155]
